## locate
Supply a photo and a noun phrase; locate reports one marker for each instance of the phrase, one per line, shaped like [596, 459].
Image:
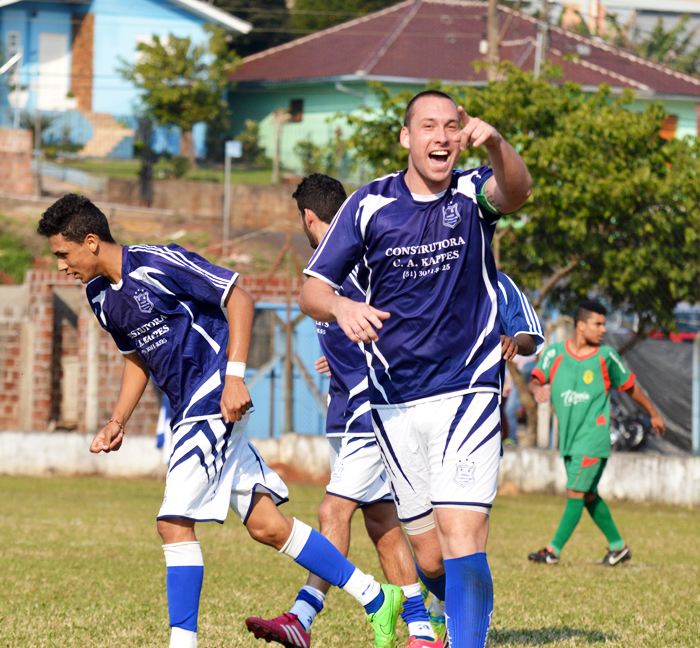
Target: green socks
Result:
[601, 516]
[571, 517]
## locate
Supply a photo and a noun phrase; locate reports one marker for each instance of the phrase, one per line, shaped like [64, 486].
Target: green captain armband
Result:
[484, 202]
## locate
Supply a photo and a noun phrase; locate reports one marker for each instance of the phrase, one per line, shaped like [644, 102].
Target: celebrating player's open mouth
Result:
[439, 159]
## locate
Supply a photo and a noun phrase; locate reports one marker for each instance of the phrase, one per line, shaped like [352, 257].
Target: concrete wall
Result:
[16, 174]
[252, 206]
[636, 477]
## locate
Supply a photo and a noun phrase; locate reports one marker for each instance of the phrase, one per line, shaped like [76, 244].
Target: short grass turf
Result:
[81, 565]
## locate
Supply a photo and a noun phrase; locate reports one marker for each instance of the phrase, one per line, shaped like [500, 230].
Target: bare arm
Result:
[134, 380]
[657, 420]
[526, 344]
[539, 391]
[511, 184]
[235, 398]
[357, 319]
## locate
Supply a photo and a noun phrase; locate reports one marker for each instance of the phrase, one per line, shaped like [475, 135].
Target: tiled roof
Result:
[420, 40]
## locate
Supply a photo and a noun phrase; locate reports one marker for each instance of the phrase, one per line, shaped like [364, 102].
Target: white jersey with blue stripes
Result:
[429, 264]
[169, 308]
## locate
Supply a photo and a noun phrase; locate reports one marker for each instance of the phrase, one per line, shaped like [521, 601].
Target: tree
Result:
[270, 20]
[315, 15]
[182, 83]
[614, 208]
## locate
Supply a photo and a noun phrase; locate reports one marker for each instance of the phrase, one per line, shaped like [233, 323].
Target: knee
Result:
[330, 514]
[272, 531]
[172, 530]
[430, 564]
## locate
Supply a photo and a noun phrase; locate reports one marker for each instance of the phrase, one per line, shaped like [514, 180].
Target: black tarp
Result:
[663, 369]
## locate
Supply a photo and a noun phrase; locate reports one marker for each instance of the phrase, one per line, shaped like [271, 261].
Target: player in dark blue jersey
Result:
[182, 321]
[429, 326]
[358, 477]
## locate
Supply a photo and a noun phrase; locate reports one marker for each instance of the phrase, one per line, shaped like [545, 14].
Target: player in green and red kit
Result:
[578, 374]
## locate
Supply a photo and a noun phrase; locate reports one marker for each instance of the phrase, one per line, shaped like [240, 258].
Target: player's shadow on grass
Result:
[545, 636]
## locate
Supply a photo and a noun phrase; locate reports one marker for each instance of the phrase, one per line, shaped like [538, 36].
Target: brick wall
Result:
[252, 206]
[82, 54]
[56, 335]
[16, 175]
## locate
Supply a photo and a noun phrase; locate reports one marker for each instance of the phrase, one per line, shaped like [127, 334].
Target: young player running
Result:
[179, 319]
[429, 326]
[578, 375]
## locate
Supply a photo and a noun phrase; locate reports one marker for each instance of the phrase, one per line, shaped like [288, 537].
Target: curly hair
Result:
[74, 217]
[321, 194]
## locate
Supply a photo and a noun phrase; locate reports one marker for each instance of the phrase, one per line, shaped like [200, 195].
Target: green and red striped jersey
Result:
[581, 395]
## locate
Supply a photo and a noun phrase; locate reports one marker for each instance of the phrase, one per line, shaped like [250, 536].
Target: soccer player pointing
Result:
[429, 324]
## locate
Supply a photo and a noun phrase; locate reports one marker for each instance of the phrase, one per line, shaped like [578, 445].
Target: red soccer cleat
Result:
[284, 629]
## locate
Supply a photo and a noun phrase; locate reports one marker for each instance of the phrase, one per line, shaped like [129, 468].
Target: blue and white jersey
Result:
[515, 313]
[169, 308]
[348, 394]
[429, 264]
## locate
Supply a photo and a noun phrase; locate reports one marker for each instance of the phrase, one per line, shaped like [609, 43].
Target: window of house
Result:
[668, 128]
[296, 110]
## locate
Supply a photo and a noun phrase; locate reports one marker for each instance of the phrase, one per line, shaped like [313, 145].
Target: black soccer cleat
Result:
[544, 556]
[616, 557]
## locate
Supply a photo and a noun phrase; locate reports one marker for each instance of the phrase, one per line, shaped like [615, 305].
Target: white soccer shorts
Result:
[357, 471]
[441, 453]
[212, 467]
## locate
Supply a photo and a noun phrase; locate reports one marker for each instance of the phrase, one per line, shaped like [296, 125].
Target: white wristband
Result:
[235, 369]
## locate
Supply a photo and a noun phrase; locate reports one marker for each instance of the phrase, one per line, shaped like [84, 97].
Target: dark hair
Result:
[586, 309]
[321, 194]
[75, 217]
[426, 93]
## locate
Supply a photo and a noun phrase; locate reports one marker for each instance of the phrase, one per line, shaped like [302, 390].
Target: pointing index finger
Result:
[463, 117]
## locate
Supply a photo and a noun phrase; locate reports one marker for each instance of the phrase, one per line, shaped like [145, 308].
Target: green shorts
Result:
[583, 473]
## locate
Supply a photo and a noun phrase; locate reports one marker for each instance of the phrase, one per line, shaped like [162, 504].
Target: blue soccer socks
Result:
[315, 553]
[436, 586]
[469, 601]
[415, 615]
[185, 576]
[308, 604]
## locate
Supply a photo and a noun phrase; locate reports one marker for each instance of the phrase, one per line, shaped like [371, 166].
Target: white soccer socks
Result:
[185, 576]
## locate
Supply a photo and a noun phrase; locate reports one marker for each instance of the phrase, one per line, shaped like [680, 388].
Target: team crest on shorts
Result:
[464, 475]
[451, 216]
[337, 471]
[144, 301]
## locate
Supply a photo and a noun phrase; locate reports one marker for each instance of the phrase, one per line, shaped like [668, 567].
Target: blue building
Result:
[68, 52]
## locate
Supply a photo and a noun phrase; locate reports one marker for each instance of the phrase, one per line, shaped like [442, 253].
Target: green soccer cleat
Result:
[383, 621]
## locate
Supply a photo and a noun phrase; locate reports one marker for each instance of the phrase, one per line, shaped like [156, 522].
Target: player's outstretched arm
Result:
[357, 319]
[235, 399]
[511, 184]
[657, 421]
[134, 380]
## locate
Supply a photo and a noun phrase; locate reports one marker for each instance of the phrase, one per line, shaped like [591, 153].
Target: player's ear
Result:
[93, 242]
[309, 217]
[404, 138]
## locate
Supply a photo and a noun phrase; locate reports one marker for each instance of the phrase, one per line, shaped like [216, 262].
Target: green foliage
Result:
[314, 15]
[673, 47]
[182, 83]
[15, 257]
[253, 153]
[270, 20]
[614, 207]
[331, 159]
[171, 167]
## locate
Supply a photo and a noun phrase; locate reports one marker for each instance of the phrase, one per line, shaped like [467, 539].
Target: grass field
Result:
[129, 170]
[81, 566]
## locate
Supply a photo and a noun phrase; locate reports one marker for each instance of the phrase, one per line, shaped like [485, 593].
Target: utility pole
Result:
[492, 58]
[542, 38]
